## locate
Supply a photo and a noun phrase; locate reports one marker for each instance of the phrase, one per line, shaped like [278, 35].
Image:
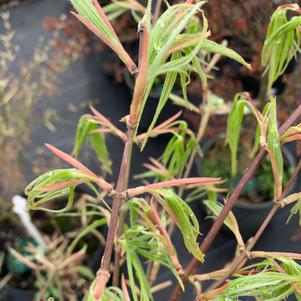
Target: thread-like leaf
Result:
[213, 47]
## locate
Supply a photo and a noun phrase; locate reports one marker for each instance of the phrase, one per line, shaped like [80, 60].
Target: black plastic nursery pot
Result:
[15, 294]
[249, 215]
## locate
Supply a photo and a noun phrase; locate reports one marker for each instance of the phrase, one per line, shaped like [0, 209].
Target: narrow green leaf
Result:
[167, 88]
[82, 130]
[230, 221]
[87, 130]
[134, 265]
[213, 47]
[234, 122]
[98, 143]
[274, 147]
[296, 209]
[185, 220]
[91, 14]
[233, 129]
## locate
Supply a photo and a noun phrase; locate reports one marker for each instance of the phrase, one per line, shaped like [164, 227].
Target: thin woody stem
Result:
[141, 82]
[117, 201]
[122, 216]
[228, 206]
[262, 254]
[104, 274]
[157, 10]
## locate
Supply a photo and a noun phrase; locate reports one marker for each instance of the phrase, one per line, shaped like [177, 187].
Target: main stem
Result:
[117, 199]
[229, 204]
[130, 136]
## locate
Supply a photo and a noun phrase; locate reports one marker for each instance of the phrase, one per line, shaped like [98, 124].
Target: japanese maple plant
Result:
[141, 219]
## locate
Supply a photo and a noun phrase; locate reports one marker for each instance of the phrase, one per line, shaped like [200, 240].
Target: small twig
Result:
[124, 289]
[176, 182]
[106, 122]
[208, 276]
[161, 286]
[262, 254]
[157, 10]
[23, 259]
[211, 294]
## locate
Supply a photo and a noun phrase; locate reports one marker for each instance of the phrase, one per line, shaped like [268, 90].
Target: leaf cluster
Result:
[282, 42]
[88, 129]
[269, 282]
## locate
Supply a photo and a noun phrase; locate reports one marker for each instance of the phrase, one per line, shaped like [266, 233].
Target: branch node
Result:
[103, 277]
